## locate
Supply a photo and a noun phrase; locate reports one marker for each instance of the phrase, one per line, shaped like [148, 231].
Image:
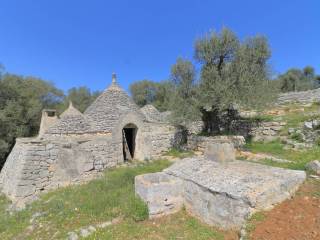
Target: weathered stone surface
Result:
[161, 192]
[77, 147]
[200, 143]
[225, 195]
[314, 166]
[220, 152]
[304, 97]
[108, 108]
[267, 131]
[152, 114]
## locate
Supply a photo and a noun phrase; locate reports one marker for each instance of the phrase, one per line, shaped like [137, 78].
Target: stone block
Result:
[221, 195]
[220, 152]
[161, 192]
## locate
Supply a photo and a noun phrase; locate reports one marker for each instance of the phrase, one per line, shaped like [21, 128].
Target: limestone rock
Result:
[72, 236]
[220, 152]
[161, 192]
[314, 166]
[223, 195]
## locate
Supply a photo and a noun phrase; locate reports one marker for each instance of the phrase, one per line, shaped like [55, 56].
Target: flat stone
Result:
[220, 152]
[223, 195]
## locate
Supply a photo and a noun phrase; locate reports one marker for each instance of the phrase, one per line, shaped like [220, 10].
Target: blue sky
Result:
[80, 43]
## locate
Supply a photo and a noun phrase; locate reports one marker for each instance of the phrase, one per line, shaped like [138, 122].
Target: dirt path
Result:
[294, 219]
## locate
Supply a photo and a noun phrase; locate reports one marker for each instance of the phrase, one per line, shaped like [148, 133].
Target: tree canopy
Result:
[298, 79]
[21, 102]
[149, 92]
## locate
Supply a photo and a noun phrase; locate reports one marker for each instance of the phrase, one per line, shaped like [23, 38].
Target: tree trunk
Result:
[211, 121]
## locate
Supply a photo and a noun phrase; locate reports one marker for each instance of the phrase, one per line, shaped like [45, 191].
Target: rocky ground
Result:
[294, 219]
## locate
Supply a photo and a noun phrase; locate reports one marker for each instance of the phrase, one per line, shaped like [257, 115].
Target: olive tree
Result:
[233, 73]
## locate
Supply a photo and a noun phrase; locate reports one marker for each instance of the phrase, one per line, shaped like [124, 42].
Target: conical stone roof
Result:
[105, 112]
[151, 113]
[71, 121]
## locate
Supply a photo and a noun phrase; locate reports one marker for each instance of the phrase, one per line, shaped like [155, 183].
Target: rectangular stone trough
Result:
[220, 194]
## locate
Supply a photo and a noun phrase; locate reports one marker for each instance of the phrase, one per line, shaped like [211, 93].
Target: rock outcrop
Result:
[220, 193]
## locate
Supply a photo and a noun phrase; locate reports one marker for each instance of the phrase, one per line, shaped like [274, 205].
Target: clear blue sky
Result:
[80, 43]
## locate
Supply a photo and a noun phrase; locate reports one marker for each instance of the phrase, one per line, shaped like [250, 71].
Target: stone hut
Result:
[75, 147]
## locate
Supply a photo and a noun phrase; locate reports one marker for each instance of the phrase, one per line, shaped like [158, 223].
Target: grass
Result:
[177, 226]
[276, 148]
[252, 222]
[179, 153]
[68, 209]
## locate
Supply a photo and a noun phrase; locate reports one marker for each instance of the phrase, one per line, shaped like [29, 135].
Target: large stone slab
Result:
[221, 194]
[161, 192]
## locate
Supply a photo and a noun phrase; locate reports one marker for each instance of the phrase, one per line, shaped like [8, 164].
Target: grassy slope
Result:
[294, 119]
[111, 196]
[276, 148]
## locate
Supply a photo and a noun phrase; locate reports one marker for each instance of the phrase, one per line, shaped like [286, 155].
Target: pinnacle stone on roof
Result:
[105, 112]
[71, 110]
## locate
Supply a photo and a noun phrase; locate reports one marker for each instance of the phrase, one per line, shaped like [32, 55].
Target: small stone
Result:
[84, 232]
[104, 224]
[308, 125]
[72, 236]
[314, 166]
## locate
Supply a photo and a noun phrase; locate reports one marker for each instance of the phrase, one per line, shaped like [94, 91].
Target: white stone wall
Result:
[300, 97]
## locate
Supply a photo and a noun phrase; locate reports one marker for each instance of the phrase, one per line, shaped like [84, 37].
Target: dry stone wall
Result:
[36, 166]
[159, 138]
[200, 143]
[267, 131]
[300, 97]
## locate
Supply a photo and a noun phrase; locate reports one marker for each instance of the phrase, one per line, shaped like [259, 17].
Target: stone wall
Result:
[200, 143]
[300, 97]
[36, 166]
[159, 138]
[267, 131]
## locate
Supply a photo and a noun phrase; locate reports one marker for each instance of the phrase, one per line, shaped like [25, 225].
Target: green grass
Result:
[276, 148]
[68, 209]
[177, 226]
[179, 153]
[251, 223]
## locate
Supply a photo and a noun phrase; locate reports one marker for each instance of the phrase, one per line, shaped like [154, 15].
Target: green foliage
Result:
[232, 73]
[179, 153]
[148, 92]
[298, 80]
[297, 136]
[183, 104]
[21, 102]
[81, 98]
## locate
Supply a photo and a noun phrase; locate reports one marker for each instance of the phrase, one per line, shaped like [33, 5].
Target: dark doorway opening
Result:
[128, 138]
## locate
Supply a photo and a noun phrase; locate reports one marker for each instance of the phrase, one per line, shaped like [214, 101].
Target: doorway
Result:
[129, 133]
